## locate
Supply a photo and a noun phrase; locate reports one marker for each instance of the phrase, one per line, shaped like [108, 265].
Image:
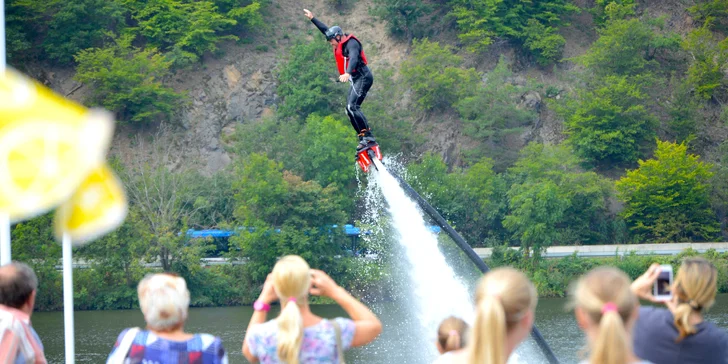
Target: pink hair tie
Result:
[609, 307]
[453, 333]
[292, 299]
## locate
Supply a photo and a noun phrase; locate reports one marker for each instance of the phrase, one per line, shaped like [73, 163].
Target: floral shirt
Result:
[318, 346]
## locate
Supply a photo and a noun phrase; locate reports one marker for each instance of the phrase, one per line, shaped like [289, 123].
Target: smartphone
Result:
[663, 285]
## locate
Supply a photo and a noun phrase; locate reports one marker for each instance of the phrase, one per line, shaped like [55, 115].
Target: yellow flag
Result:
[97, 207]
[48, 145]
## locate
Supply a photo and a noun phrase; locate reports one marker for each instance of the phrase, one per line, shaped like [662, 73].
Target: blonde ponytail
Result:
[291, 281]
[290, 333]
[605, 298]
[612, 345]
[489, 331]
[695, 287]
[503, 299]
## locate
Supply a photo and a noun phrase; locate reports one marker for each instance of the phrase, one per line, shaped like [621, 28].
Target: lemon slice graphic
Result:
[48, 145]
[97, 207]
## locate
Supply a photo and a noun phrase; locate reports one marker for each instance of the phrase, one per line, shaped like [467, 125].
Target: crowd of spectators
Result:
[605, 302]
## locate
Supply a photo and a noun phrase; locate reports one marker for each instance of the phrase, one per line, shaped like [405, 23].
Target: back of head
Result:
[695, 287]
[451, 335]
[503, 298]
[604, 295]
[291, 281]
[164, 300]
[17, 283]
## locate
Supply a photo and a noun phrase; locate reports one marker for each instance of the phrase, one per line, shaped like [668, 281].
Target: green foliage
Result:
[610, 124]
[127, 80]
[434, 74]
[708, 11]
[289, 216]
[492, 112]
[552, 201]
[605, 10]
[305, 85]
[719, 186]
[81, 24]
[403, 17]
[327, 155]
[710, 63]
[471, 200]
[666, 198]
[532, 24]
[23, 21]
[187, 29]
[628, 47]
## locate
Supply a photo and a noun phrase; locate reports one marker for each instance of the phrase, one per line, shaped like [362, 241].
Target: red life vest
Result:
[343, 62]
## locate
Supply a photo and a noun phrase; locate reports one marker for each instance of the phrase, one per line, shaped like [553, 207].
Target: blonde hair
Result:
[604, 294]
[503, 297]
[164, 300]
[695, 287]
[451, 334]
[291, 281]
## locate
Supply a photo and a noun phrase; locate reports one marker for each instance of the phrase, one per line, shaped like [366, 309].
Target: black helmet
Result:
[333, 32]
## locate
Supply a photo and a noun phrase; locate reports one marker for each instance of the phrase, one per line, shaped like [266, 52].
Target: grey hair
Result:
[164, 300]
[17, 283]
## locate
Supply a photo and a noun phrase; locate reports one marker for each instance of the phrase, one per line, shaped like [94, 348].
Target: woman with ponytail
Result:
[505, 304]
[297, 335]
[679, 332]
[451, 338]
[605, 310]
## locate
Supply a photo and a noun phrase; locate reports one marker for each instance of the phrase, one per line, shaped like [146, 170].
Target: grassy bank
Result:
[552, 277]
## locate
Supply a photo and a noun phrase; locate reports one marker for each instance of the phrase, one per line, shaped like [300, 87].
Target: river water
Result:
[96, 331]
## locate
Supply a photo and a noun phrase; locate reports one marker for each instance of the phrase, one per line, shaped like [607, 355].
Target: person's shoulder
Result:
[209, 340]
[264, 329]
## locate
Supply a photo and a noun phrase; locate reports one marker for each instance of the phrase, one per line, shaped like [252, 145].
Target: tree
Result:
[164, 203]
[283, 214]
[711, 10]
[81, 24]
[492, 112]
[532, 24]
[435, 77]
[605, 10]
[707, 72]
[127, 80]
[186, 29]
[552, 201]
[667, 198]
[471, 200]
[305, 82]
[403, 16]
[628, 47]
[610, 124]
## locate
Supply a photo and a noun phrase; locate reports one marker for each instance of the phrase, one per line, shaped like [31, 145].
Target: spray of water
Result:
[434, 290]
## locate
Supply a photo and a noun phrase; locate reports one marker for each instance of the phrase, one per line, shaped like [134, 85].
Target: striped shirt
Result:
[19, 343]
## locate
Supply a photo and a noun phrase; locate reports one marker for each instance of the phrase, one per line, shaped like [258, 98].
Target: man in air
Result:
[352, 65]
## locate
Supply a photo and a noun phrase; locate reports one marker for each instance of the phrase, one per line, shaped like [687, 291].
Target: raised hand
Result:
[308, 13]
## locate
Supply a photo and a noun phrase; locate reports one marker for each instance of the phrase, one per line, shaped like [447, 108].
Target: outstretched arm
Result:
[321, 26]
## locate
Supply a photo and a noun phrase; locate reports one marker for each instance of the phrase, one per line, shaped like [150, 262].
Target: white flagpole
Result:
[68, 298]
[4, 218]
[2, 36]
[4, 237]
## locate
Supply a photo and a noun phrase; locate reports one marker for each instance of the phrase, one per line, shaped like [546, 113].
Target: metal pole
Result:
[68, 298]
[2, 36]
[4, 238]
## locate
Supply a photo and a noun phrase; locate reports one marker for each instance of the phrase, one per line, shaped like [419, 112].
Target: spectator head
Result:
[694, 289]
[505, 303]
[18, 284]
[291, 281]
[164, 300]
[606, 310]
[451, 335]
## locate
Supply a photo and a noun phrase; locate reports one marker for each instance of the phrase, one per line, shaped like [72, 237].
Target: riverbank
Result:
[553, 277]
[230, 285]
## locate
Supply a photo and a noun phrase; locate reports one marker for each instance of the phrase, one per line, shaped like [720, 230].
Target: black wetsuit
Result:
[362, 80]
